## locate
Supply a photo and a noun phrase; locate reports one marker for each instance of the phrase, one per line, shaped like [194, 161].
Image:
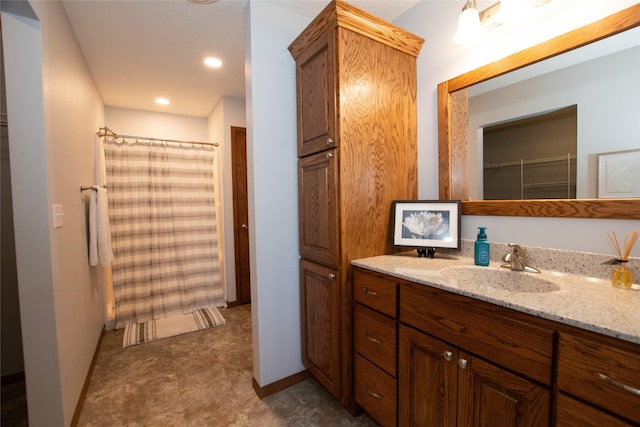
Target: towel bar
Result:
[84, 187]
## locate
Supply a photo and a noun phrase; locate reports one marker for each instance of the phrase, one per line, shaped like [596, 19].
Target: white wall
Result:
[273, 189]
[54, 110]
[442, 60]
[229, 111]
[151, 124]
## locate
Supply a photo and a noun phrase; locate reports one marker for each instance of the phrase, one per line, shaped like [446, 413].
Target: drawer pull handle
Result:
[462, 363]
[372, 293]
[329, 141]
[329, 155]
[372, 339]
[618, 384]
[448, 356]
[331, 276]
[376, 395]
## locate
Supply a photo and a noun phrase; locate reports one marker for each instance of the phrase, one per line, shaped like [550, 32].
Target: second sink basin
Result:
[499, 279]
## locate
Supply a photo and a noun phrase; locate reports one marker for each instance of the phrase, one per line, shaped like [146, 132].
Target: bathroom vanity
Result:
[434, 347]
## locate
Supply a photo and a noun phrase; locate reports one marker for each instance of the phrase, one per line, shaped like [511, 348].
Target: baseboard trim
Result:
[85, 387]
[279, 385]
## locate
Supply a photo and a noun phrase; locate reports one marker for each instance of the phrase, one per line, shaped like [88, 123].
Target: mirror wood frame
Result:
[453, 133]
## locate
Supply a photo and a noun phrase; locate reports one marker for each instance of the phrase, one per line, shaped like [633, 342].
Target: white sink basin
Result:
[500, 279]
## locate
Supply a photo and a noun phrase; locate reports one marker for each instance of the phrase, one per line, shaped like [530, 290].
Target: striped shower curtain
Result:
[163, 229]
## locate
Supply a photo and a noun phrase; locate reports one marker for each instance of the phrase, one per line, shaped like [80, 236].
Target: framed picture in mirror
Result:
[619, 174]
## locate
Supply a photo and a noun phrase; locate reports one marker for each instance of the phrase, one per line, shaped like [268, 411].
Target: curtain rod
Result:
[105, 131]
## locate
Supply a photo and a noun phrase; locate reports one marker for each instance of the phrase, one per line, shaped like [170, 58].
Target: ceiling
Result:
[140, 50]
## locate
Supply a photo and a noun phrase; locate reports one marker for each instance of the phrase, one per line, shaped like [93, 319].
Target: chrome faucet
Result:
[517, 260]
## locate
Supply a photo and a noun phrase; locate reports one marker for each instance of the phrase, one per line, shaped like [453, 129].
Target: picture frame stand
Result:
[426, 252]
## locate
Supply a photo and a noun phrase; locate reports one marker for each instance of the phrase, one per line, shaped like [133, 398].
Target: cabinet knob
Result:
[244, 226]
[331, 276]
[329, 141]
[448, 356]
[329, 155]
[463, 363]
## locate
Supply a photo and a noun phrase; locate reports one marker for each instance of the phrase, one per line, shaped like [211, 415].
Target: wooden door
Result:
[427, 380]
[318, 209]
[240, 214]
[491, 396]
[320, 324]
[316, 97]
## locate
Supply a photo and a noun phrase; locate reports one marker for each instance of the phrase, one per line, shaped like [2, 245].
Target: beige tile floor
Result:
[199, 379]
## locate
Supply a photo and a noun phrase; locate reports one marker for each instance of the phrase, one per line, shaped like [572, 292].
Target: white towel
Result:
[100, 251]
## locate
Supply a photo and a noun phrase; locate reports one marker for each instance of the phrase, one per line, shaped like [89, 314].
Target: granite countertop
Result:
[583, 301]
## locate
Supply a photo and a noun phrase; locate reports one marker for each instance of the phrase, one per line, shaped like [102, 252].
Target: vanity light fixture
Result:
[512, 11]
[502, 12]
[469, 27]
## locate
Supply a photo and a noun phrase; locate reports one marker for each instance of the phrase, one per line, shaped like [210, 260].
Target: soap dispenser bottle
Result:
[482, 250]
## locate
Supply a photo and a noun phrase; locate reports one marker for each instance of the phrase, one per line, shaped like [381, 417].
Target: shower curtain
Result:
[163, 229]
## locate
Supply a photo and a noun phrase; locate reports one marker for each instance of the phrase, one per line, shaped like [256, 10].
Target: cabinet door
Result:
[490, 396]
[320, 317]
[427, 376]
[316, 94]
[318, 210]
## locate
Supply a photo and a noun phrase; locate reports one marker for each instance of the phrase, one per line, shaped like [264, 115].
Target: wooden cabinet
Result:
[315, 81]
[465, 362]
[428, 379]
[444, 384]
[321, 314]
[357, 148]
[375, 344]
[461, 361]
[506, 337]
[318, 208]
[604, 373]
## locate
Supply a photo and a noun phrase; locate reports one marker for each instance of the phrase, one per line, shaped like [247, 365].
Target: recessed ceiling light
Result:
[213, 62]
[162, 101]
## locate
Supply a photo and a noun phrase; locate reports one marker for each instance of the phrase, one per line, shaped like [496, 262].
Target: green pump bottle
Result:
[481, 254]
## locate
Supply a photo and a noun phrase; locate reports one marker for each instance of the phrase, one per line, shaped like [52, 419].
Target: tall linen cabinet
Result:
[357, 149]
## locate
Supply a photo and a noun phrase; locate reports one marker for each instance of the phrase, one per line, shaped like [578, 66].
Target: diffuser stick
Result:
[630, 243]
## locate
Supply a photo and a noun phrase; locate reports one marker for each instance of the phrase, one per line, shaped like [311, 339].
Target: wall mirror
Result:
[457, 173]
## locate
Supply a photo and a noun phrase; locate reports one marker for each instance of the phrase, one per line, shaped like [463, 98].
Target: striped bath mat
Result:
[138, 333]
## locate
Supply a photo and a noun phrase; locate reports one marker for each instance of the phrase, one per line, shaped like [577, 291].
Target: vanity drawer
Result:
[375, 391]
[376, 292]
[572, 413]
[604, 374]
[375, 338]
[506, 337]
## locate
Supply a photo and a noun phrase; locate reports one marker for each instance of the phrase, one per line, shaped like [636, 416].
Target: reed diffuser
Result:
[621, 275]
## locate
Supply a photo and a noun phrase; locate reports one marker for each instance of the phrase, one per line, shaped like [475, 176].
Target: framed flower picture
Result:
[426, 223]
